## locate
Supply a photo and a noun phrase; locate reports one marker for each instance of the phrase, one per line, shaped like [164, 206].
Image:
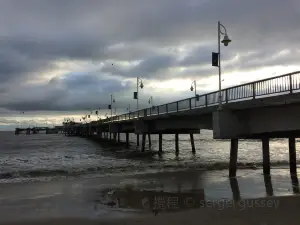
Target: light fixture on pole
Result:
[150, 101]
[194, 87]
[139, 83]
[112, 100]
[216, 57]
[128, 109]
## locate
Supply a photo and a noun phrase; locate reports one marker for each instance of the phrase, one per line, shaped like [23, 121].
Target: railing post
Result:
[145, 112]
[253, 90]
[291, 84]
[190, 102]
[177, 106]
[138, 113]
[167, 110]
[226, 95]
[205, 100]
[157, 110]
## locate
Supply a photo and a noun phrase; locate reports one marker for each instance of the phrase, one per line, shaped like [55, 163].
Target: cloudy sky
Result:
[62, 58]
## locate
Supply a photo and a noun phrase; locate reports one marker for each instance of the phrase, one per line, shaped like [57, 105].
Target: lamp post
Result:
[216, 57]
[139, 83]
[150, 101]
[112, 100]
[194, 85]
[128, 109]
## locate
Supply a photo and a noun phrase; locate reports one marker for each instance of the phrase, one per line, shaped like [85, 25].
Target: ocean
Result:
[25, 158]
[54, 175]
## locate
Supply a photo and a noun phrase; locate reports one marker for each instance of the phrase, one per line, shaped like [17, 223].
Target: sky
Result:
[63, 58]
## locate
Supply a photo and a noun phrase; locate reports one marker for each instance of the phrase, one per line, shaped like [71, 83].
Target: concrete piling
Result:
[233, 157]
[177, 143]
[266, 155]
[143, 142]
[160, 142]
[292, 154]
[192, 143]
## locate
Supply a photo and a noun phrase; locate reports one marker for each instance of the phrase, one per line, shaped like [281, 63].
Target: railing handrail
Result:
[204, 95]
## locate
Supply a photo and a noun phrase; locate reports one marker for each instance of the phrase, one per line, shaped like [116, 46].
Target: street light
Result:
[194, 85]
[112, 100]
[139, 83]
[128, 109]
[216, 57]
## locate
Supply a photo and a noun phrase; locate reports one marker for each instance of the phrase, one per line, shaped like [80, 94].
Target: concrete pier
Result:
[257, 110]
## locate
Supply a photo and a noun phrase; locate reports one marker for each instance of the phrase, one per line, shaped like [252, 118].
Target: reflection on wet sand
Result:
[268, 185]
[157, 199]
[295, 184]
[235, 189]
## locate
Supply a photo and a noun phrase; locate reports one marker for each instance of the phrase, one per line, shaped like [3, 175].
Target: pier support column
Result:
[115, 137]
[266, 155]
[192, 143]
[143, 142]
[137, 140]
[292, 153]
[177, 143]
[160, 142]
[118, 136]
[109, 135]
[127, 140]
[149, 140]
[233, 157]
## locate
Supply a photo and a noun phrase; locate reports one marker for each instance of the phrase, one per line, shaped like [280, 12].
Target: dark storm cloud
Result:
[74, 91]
[37, 34]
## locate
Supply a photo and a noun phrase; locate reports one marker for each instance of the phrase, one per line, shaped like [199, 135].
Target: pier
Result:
[36, 130]
[262, 110]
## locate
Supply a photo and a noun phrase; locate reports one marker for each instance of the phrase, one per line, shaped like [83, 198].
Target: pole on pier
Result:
[192, 143]
[149, 140]
[127, 139]
[177, 143]
[233, 157]
[266, 155]
[292, 153]
[160, 142]
[143, 142]
[137, 140]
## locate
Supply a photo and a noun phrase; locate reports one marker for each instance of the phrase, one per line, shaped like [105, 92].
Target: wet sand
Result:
[262, 211]
[87, 201]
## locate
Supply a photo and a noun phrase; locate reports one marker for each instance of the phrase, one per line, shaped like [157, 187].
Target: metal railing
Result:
[279, 85]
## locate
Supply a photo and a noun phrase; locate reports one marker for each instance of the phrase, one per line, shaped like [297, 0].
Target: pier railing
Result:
[279, 85]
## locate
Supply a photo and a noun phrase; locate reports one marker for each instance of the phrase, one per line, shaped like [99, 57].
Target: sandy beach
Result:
[261, 211]
[218, 199]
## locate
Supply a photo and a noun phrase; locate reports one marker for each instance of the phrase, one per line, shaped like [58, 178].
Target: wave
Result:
[37, 173]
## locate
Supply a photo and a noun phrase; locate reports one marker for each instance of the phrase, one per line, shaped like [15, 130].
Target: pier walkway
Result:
[263, 109]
